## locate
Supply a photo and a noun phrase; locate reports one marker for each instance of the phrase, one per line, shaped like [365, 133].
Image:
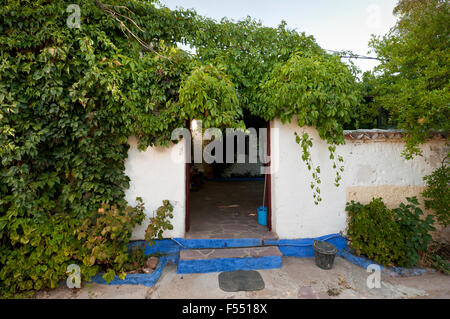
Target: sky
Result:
[335, 24]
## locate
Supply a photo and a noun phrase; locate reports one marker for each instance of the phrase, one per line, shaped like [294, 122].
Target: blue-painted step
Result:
[229, 259]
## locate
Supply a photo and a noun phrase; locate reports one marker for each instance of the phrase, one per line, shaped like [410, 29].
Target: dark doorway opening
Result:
[222, 199]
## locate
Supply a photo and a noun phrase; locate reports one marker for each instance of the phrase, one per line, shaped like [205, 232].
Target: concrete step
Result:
[228, 259]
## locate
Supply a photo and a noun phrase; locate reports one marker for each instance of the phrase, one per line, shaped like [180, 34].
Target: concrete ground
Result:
[299, 278]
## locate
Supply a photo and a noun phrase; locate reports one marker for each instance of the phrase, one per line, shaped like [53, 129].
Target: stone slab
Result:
[241, 280]
[196, 254]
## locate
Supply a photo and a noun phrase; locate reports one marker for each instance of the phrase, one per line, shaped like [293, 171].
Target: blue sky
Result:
[335, 24]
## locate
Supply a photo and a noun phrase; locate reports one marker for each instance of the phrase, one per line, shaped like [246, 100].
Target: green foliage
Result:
[315, 90]
[249, 50]
[137, 258]
[414, 229]
[437, 193]
[375, 233]
[413, 77]
[441, 265]
[69, 99]
[151, 93]
[210, 94]
[40, 249]
[390, 237]
[159, 223]
[368, 114]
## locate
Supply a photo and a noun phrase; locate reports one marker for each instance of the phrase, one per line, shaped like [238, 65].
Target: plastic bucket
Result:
[324, 254]
[262, 215]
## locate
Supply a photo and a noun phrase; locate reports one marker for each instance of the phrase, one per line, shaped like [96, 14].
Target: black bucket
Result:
[324, 254]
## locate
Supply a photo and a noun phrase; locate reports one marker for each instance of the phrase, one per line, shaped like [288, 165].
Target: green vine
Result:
[159, 223]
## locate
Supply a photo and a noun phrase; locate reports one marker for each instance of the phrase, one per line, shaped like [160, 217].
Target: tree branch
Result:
[115, 15]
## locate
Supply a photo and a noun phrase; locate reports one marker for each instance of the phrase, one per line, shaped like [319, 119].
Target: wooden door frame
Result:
[269, 181]
[188, 190]
[268, 187]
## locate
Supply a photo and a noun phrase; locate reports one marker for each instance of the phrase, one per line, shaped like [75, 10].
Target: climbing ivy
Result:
[210, 94]
[315, 90]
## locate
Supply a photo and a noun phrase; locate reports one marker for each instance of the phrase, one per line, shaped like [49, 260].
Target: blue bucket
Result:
[262, 215]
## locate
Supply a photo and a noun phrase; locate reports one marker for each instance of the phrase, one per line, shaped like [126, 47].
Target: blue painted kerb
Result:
[228, 264]
[303, 248]
[171, 248]
[364, 262]
[148, 280]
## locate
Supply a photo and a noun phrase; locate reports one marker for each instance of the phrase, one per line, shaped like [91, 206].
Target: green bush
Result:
[414, 229]
[41, 249]
[390, 237]
[437, 194]
[375, 233]
[441, 265]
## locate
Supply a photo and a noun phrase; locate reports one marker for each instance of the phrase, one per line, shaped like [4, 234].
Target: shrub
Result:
[159, 223]
[36, 252]
[375, 233]
[437, 194]
[390, 237]
[414, 229]
[441, 265]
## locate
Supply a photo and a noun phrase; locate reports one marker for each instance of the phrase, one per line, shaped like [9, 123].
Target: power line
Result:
[353, 56]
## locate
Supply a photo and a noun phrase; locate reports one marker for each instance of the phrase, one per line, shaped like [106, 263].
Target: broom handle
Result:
[264, 194]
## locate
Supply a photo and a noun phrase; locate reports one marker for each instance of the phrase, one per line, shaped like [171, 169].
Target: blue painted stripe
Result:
[218, 243]
[148, 280]
[173, 246]
[364, 262]
[303, 248]
[228, 264]
[289, 247]
[163, 246]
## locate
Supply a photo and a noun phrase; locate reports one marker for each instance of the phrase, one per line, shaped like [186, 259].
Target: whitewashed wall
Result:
[156, 175]
[371, 168]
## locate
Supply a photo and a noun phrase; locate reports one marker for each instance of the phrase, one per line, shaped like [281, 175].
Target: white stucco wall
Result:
[156, 176]
[368, 166]
[372, 169]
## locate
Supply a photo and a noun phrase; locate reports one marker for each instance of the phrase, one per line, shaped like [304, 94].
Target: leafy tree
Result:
[369, 114]
[249, 50]
[413, 82]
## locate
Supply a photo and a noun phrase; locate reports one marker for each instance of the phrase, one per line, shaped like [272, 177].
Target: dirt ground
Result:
[299, 278]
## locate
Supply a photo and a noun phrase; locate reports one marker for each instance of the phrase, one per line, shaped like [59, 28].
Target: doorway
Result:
[222, 199]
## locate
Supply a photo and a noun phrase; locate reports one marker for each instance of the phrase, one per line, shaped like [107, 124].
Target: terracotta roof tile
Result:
[377, 135]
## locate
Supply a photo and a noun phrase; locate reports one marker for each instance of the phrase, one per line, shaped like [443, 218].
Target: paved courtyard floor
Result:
[299, 278]
[227, 210]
